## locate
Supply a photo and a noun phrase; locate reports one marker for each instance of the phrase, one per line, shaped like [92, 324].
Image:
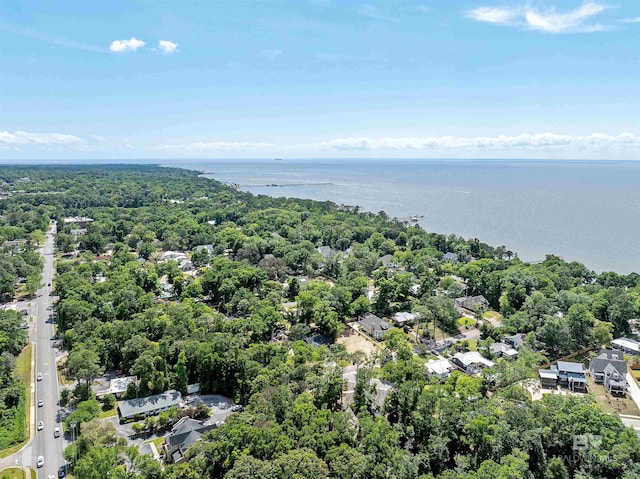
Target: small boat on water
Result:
[415, 218]
[277, 159]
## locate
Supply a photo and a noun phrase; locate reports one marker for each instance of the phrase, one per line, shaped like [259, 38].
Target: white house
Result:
[440, 367]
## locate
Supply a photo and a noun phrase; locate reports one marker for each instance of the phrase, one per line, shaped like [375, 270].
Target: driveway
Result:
[634, 390]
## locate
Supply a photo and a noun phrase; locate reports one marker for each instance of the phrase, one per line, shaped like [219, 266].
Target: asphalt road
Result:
[45, 444]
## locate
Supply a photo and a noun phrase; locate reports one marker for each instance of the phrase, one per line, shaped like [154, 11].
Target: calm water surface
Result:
[585, 211]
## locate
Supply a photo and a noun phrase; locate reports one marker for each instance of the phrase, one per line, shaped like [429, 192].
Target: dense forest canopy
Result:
[300, 267]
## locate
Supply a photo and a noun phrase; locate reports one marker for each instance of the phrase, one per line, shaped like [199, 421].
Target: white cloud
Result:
[270, 54]
[130, 45]
[572, 21]
[213, 146]
[632, 20]
[484, 143]
[167, 47]
[504, 16]
[27, 138]
[579, 20]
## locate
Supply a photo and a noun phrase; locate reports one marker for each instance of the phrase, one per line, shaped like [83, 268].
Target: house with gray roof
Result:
[450, 257]
[149, 406]
[373, 325]
[515, 340]
[471, 362]
[468, 304]
[206, 247]
[503, 350]
[567, 374]
[627, 345]
[402, 318]
[610, 369]
[184, 434]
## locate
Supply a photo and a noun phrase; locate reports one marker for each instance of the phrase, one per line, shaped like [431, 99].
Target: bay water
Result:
[587, 211]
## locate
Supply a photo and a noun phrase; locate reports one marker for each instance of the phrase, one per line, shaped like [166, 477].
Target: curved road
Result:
[43, 443]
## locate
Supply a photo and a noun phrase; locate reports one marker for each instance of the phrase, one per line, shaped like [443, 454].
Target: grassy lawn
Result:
[13, 473]
[110, 413]
[612, 404]
[493, 315]
[635, 373]
[24, 374]
[464, 321]
[158, 441]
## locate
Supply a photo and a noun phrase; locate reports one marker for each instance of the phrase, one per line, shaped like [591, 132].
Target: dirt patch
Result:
[611, 403]
[355, 342]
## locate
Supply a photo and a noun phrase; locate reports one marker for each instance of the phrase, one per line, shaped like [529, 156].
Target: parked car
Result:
[39, 377]
[40, 425]
[40, 403]
[40, 461]
[236, 408]
[219, 423]
[56, 432]
[62, 472]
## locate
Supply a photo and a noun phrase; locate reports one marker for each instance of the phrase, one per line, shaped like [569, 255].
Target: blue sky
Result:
[320, 78]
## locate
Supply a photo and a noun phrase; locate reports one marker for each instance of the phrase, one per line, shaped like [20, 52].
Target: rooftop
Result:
[134, 407]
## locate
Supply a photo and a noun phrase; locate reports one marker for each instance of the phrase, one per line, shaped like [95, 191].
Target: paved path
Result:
[633, 388]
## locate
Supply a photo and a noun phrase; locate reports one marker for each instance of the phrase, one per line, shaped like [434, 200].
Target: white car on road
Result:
[40, 461]
[40, 403]
[56, 432]
[40, 425]
[39, 377]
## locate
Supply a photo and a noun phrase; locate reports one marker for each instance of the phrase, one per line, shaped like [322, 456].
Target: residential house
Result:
[403, 318]
[176, 256]
[610, 369]
[440, 367]
[469, 304]
[388, 261]
[566, 374]
[184, 434]
[149, 406]
[118, 386]
[185, 265]
[629, 346]
[373, 325]
[80, 221]
[471, 362]
[206, 247]
[515, 340]
[379, 389]
[503, 350]
[450, 257]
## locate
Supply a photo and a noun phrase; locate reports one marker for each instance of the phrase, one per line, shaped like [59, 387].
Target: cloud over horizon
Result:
[484, 143]
[18, 138]
[578, 20]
